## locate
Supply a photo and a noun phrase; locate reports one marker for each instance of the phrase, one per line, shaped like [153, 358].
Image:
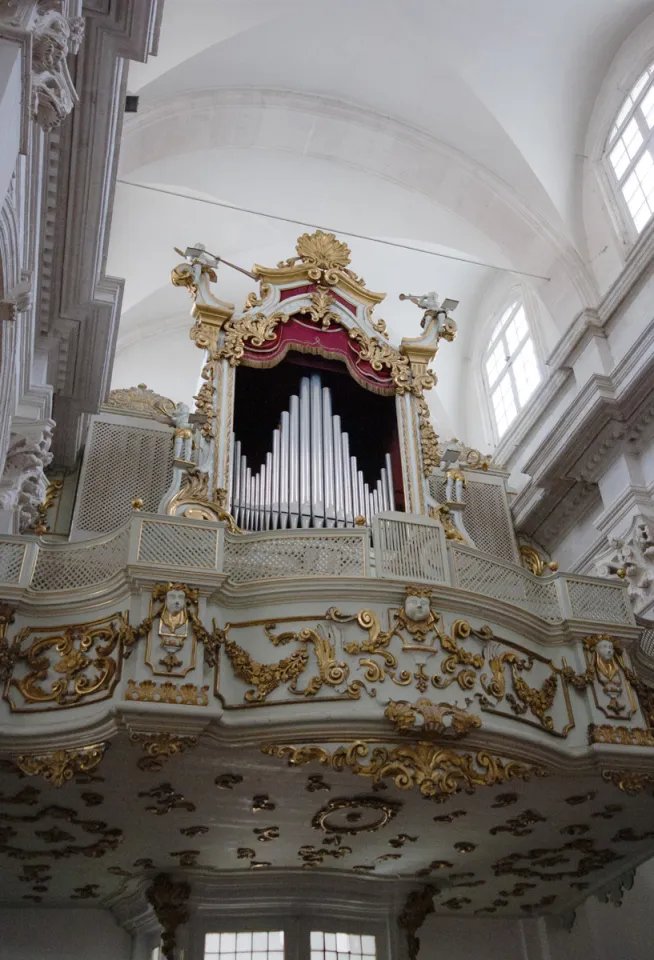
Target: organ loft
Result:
[268, 637]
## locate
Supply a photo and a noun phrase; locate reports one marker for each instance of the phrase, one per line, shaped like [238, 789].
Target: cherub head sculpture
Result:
[416, 615]
[605, 649]
[175, 600]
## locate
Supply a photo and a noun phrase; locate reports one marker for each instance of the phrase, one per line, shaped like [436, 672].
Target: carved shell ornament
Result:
[322, 252]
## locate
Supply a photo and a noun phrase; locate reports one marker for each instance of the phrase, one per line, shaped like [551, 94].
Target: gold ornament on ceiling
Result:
[434, 771]
[60, 766]
[159, 748]
[165, 799]
[631, 782]
[355, 815]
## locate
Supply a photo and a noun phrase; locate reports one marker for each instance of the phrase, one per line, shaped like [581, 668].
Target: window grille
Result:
[258, 945]
[510, 366]
[342, 946]
[630, 151]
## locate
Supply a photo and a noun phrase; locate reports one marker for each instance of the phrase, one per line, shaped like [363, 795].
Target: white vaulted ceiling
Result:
[455, 125]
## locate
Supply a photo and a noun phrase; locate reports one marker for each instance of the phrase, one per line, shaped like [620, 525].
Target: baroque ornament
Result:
[355, 815]
[143, 402]
[159, 748]
[443, 719]
[186, 694]
[169, 901]
[60, 766]
[54, 37]
[435, 771]
[66, 667]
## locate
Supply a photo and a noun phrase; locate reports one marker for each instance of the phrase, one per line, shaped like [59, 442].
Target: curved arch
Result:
[9, 248]
[391, 149]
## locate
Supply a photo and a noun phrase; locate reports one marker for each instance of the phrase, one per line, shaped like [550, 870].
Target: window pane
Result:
[632, 138]
[647, 106]
[244, 945]
[503, 404]
[619, 159]
[516, 331]
[495, 363]
[341, 946]
[526, 372]
[639, 86]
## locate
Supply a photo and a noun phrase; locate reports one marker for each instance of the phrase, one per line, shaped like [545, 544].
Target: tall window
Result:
[510, 366]
[258, 945]
[630, 150]
[342, 946]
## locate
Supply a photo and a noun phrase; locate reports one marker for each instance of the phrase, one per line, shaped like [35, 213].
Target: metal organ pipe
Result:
[309, 478]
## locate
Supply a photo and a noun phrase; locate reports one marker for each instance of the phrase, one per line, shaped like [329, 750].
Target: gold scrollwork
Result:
[320, 309]
[9, 652]
[85, 664]
[354, 812]
[630, 782]
[438, 718]
[166, 799]
[159, 748]
[256, 329]
[267, 677]
[435, 771]
[60, 766]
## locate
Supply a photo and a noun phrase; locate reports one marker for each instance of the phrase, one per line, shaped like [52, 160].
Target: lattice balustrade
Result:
[122, 462]
[647, 643]
[249, 558]
[410, 550]
[511, 584]
[487, 517]
[69, 567]
[11, 561]
[178, 545]
[600, 602]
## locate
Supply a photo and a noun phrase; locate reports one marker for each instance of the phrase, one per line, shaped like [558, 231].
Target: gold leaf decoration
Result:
[433, 770]
[439, 718]
[160, 747]
[60, 766]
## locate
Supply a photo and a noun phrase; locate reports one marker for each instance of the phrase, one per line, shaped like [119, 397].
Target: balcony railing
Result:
[403, 547]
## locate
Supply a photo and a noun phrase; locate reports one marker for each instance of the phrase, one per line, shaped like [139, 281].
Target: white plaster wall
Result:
[10, 107]
[61, 934]
[462, 938]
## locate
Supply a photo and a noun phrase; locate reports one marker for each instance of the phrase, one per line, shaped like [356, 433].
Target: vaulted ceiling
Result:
[457, 126]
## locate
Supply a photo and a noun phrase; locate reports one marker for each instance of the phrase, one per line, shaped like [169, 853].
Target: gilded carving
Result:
[353, 815]
[316, 782]
[418, 906]
[433, 770]
[143, 402]
[533, 863]
[60, 845]
[257, 329]
[68, 665]
[627, 736]
[315, 856]
[60, 766]
[324, 256]
[320, 310]
[629, 781]
[197, 503]
[443, 719]
[521, 825]
[9, 652]
[266, 834]
[169, 901]
[262, 802]
[186, 694]
[159, 748]
[255, 299]
[165, 799]
[227, 781]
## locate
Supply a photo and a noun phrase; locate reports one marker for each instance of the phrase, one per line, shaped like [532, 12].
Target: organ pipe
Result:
[309, 477]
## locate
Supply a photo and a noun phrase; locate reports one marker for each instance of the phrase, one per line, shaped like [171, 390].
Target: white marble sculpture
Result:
[24, 483]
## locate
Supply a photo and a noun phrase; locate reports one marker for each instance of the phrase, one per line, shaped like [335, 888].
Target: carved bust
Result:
[173, 621]
[416, 615]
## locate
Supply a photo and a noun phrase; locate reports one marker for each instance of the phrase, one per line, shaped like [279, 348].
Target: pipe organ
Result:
[309, 477]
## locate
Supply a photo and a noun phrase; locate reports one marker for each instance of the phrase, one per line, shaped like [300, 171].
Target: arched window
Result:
[510, 366]
[630, 151]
